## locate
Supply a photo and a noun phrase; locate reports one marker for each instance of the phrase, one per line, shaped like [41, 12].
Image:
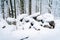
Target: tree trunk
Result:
[21, 6]
[2, 6]
[25, 6]
[11, 9]
[15, 7]
[29, 7]
[40, 6]
[37, 5]
[50, 6]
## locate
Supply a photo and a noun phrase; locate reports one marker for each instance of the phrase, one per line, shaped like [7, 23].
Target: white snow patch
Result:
[46, 17]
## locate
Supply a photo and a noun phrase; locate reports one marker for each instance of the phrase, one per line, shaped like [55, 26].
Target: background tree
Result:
[50, 6]
[29, 7]
[40, 6]
[11, 10]
[2, 7]
[25, 6]
[37, 5]
[15, 8]
[21, 6]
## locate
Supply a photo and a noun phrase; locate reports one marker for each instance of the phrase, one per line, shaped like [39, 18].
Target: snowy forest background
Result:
[12, 8]
[29, 19]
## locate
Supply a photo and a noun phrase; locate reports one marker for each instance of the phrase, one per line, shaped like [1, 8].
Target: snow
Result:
[21, 29]
[2, 23]
[20, 16]
[35, 14]
[10, 28]
[46, 17]
[24, 33]
[10, 19]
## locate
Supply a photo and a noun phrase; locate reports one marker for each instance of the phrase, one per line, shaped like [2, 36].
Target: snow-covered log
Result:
[47, 19]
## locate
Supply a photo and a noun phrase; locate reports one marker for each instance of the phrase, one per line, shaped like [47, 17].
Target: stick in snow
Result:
[3, 27]
[24, 38]
[36, 29]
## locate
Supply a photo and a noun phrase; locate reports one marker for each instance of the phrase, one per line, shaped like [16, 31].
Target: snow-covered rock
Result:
[18, 23]
[28, 18]
[47, 20]
[36, 25]
[46, 17]
[21, 16]
[24, 26]
[11, 20]
[19, 20]
[35, 14]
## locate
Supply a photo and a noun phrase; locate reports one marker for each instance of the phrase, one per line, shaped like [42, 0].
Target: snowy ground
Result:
[49, 34]
[10, 32]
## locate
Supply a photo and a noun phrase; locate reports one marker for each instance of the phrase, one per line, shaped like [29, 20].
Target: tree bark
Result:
[40, 6]
[11, 8]
[21, 6]
[29, 7]
[15, 7]
[50, 6]
[2, 6]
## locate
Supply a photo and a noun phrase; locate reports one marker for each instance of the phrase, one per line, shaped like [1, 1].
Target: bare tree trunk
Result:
[37, 5]
[15, 7]
[2, 6]
[11, 8]
[9, 12]
[50, 6]
[40, 6]
[22, 6]
[29, 7]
